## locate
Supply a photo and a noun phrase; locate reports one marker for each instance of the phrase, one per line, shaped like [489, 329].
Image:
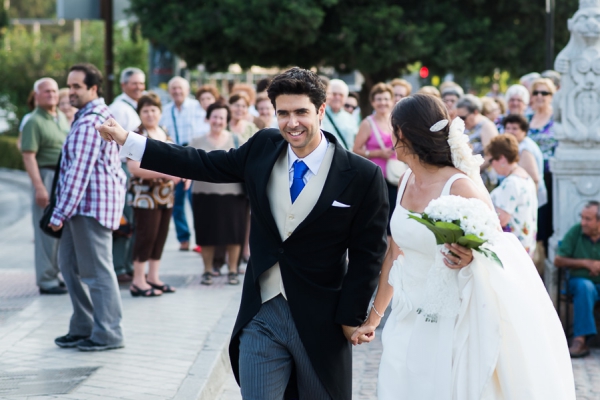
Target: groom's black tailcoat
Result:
[323, 290]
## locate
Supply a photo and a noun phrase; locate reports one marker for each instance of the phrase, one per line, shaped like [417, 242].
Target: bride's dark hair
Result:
[414, 115]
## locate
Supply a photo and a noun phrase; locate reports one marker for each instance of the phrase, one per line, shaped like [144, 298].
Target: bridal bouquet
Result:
[455, 219]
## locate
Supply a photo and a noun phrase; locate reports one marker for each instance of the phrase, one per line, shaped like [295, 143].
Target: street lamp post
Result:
[549, 34]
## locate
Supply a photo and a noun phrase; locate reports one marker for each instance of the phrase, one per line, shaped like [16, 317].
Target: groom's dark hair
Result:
[412, 118]
[298, 81]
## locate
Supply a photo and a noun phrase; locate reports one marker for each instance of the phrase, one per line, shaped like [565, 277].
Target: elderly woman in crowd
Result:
[239, 124]
[530, 155]
[451, 93]
[206, 95]
[479, 128]
[374, 138]
[401, 88]
[266, 111]
[220, 209]
[517, 99]
[541, 131]
[515, 199]
[64, 105]
[480, 131]
[430, 90]
[153, 197]
[490, 109]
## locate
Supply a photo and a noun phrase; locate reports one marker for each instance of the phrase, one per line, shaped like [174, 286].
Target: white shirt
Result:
[313, 160]
[346, 124]
[186, 122]
[124, 111]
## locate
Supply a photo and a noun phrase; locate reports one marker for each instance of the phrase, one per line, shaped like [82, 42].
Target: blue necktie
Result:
[300, 170]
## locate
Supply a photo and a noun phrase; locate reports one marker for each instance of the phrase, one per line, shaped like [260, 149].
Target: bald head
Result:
[46, 94]
[337, 92]
[179, 89]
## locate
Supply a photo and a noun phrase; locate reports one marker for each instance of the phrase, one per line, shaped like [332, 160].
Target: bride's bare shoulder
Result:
[467, 188]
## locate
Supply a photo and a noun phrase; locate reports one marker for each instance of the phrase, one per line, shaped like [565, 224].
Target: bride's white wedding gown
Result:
[505, 343]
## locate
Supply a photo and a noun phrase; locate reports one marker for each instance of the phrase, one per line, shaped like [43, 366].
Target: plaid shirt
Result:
[91, 181]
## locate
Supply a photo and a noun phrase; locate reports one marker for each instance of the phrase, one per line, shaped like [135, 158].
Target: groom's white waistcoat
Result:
[289, 216]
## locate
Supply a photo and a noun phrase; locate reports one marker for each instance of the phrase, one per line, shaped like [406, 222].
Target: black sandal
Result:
[232, 278]
[137, 292]
[163, 288]
[206, 279]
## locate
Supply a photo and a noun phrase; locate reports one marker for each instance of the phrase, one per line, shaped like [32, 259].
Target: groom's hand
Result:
[110, 130]
[348, 332]
[364, 333]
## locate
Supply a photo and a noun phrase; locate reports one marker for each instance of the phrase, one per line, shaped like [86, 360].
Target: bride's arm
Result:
[366, 332]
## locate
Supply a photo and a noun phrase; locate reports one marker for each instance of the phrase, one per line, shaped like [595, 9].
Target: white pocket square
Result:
[338, 204]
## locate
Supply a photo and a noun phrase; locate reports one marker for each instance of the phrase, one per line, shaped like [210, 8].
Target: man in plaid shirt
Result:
[90, 198]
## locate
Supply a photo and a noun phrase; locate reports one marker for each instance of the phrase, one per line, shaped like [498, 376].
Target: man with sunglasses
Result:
[579, 251]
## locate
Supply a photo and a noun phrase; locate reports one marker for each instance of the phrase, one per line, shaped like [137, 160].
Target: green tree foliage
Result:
[379, 38]
[26, 57]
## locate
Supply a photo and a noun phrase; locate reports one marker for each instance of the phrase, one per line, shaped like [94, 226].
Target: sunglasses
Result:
[464, 117]
[350, 106]
[542, 92]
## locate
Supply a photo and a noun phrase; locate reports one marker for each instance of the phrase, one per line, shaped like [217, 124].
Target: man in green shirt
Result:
[41, 144]
[579, 250]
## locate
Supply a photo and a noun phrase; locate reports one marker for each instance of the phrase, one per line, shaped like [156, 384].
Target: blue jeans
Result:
[585, 294]
[181, 225]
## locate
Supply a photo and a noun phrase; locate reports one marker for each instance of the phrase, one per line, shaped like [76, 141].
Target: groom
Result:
[314, 205]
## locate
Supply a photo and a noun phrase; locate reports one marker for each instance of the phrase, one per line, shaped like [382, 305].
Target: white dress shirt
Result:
[124, 111]
[313, 160]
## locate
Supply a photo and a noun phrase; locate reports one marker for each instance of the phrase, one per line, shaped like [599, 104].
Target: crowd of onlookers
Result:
[512, 131]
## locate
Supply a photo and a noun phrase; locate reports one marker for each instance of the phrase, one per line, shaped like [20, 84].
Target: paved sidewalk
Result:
[175, 343]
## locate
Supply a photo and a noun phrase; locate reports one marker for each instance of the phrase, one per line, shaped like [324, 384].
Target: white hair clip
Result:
[438, 126]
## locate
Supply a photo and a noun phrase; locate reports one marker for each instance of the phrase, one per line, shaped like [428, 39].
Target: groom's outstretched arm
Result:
[185, 162]
[366, 250]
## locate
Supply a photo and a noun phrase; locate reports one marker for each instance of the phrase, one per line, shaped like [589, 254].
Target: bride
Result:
[505, 340]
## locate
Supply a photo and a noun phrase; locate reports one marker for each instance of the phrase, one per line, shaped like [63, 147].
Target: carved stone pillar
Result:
[576, 162]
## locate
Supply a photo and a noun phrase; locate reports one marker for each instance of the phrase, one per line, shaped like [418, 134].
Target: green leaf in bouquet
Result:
[491, 255]
[440, 236]
[471, 241]
[424, 221]
[453, 232]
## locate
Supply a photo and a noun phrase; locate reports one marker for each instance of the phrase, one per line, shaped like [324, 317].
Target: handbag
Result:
[393, 167]
[47, 215]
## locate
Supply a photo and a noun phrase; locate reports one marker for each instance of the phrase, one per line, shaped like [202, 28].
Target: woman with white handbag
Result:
[374, 140]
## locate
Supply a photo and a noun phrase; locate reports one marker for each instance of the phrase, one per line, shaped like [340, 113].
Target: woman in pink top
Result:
[367, 142]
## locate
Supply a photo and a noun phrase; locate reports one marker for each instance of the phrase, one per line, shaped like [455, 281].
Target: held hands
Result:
[366, 332]
[355, 335]
[458, 257]
[110, 130]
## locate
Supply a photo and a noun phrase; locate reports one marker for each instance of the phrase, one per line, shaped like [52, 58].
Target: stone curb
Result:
[211, 368]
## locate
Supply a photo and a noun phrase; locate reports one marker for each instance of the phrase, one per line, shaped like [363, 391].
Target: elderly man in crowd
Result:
[124, 110]
[338, 121]
[124, 107]
[579, 250]
[183, 118]
[89, 202]
[42, 140]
